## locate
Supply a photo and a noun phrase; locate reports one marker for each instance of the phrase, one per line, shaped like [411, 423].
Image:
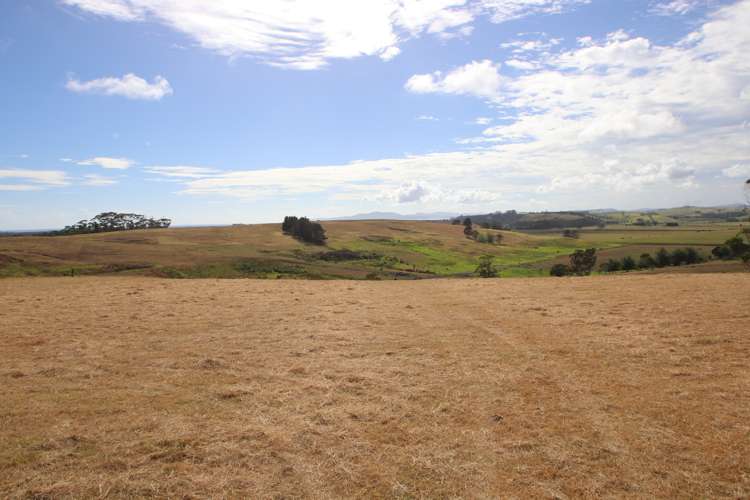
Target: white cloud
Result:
[107, 162]
[541, 43]
[389, 53]
[482, 120]
[519, 64]
[506, 10]
[429, 118]
[738, 171]
[302, 34]
[615, 121]
[32, 180]
[478, 78]
[130, 86]
[98, 180]
[411, 192]
[181, 171]
[677, 7]
[20, 187]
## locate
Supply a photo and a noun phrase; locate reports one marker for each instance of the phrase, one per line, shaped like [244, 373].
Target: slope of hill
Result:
[355, 249]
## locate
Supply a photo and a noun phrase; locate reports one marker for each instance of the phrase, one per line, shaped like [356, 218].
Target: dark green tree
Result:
[646, 261]
[583, 261]
[468, 228]
[662, 258]
[628, 263]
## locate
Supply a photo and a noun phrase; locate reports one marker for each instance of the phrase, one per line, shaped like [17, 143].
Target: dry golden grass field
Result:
[613, 386]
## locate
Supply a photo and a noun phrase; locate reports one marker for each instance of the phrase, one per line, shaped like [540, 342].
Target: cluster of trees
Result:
[582, 262]
[662, 258]
[737, 247]
[541, 220]
[304, 229]
[570, 233]
[475, 235]
[114, 221]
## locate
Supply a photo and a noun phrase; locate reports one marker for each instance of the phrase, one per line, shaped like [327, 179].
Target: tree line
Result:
[303, 229]
[662, 258]
[114, 221]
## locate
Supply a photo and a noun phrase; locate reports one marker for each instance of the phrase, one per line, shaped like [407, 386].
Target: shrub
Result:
[611, 266]
[559, 270]
[486, 268]
[570, 233]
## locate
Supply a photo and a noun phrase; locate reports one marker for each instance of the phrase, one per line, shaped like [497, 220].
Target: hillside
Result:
[401, 249]
[616, 386]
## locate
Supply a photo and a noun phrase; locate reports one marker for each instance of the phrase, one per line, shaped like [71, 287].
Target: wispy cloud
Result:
[32, 180]
[98, 180]
[106, 162]
[678, 7]
[182, 171]
[130, 86]
[306, 35]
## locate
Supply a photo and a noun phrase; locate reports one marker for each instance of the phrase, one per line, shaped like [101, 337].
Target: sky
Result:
[244, 111]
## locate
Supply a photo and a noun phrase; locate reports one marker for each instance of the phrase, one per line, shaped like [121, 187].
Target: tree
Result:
[722, 252]
[646, 261]
[737, 245]
[288, 224]
[304, 230]
[583, 261]
[692, 256]
[662, 258]
[486, 268]
[114, 221]
[468, 229]
[679, 257]
[628, 263]
[570, 233]
[559, 270]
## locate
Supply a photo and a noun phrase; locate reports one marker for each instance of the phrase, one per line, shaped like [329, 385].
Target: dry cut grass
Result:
[622, 386]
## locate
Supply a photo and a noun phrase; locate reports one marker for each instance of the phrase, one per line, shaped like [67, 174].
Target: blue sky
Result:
[242, 111]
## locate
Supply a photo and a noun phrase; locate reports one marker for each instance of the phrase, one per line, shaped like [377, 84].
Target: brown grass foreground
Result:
[622, 386]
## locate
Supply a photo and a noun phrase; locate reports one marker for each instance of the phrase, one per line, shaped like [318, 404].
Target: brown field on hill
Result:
[612, 386]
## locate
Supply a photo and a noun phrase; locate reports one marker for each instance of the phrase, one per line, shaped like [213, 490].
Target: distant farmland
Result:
[400, 249]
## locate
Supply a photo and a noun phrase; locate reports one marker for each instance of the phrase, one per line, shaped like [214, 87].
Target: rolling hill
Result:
[355, 249]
